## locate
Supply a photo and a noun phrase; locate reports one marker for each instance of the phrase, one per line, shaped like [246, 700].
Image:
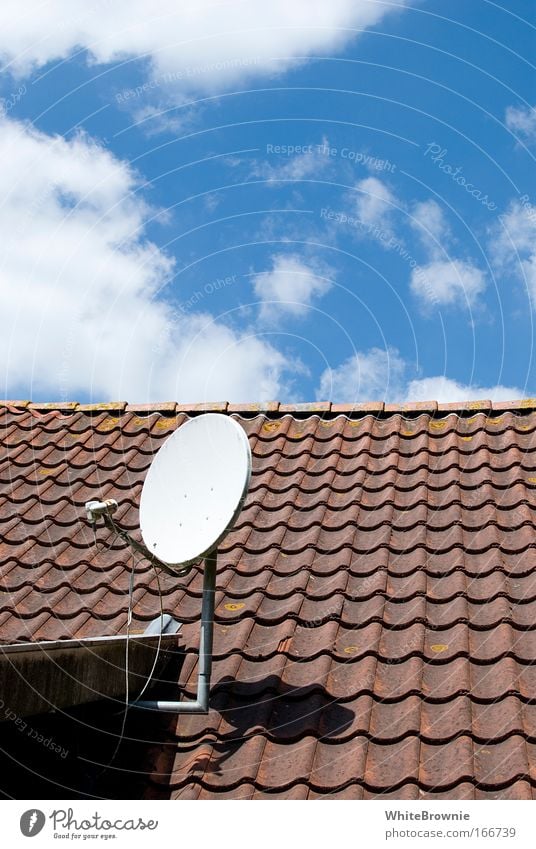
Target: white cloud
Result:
[291, 285]
[203, 45]
[522, 121]
[81, 288]
[381, 375]
[310, 163]
[518, 232]
[444, 280]
[208, 361]
[513, 244]
[366, 376]
[428, 221]
[453, 282]
[375, 203]
[153, 120]
[443, 389]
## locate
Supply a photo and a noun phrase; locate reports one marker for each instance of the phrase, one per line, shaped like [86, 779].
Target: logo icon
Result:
[31, 822]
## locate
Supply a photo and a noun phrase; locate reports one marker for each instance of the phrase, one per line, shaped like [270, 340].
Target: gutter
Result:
[42, 676]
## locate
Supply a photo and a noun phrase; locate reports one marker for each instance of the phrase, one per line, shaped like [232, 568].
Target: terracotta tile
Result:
[491, 682]
[498, 763]
[465, 406]
[351, 792]
[443, 721]
[54, 406]
[375, 602]
[395, 681]
[358, 409]
[416, 407]
[316, 407]
[117, 406]
[283, 766]
[267, 407]
[15, 404]
[518, 790]
[391, 765]
[525, 404]
[460, 792]
[450, 764]
[393, 721]
[502, 718]
[334, 766]
[298, 792]
[442, 681]
[210, 407]
[161, 407]
[408, 792]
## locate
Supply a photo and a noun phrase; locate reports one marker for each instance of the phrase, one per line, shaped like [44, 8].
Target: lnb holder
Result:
[96, 510]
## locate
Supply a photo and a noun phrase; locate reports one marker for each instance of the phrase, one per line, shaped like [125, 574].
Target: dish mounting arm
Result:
[205, 651]
[103, 510]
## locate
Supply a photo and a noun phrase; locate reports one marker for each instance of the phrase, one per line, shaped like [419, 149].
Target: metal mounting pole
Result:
[205, 651]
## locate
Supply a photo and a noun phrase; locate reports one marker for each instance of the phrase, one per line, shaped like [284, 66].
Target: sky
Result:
[251, 201]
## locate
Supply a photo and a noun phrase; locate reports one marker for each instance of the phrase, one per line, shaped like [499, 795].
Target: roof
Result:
[376, 601]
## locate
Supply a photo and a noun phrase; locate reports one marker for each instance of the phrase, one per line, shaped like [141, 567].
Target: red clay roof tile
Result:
[375, 602]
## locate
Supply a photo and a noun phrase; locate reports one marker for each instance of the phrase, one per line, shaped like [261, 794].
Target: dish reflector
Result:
[195, 488]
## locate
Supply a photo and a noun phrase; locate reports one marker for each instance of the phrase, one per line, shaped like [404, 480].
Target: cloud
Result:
[311, 162]
[375, 203]
[153, 120]
[381, 375]
[81, 288]
[200, 46]
[428, 221]
[366, 376]
[522, 121]
[291, 285]
[443, 389]
[513, 244]
[444, 280]
[449, 283]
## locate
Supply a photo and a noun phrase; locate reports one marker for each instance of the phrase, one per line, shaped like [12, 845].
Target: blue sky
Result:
[235, 201]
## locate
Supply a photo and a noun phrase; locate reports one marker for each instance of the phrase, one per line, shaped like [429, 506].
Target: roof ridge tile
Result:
[104, 407]
[159, 407]
[319, 407]
[21, 404]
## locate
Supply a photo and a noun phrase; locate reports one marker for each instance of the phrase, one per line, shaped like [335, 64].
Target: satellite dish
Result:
[195, 489]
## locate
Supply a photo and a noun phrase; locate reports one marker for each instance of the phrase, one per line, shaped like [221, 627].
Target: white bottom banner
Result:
[242, 823]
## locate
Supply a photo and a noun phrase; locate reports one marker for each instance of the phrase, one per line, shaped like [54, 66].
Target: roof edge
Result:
[276, 408]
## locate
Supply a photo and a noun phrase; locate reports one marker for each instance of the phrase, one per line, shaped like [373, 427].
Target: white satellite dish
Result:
[195, 489]
[192, 495]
